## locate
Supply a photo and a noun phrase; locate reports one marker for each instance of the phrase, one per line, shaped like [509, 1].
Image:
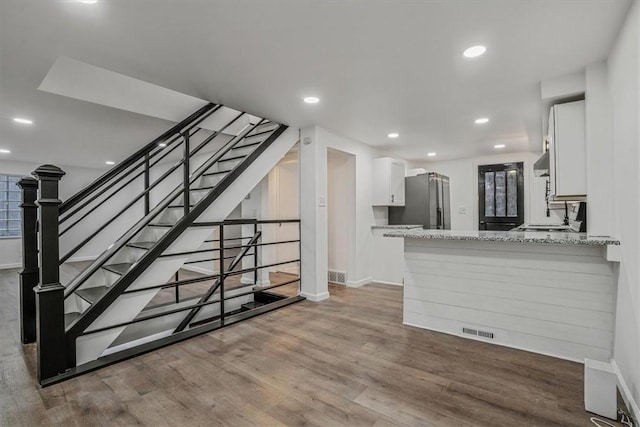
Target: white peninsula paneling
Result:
[550, 299]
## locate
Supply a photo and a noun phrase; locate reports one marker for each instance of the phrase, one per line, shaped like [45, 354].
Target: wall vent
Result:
[339, 277]
[483, 334]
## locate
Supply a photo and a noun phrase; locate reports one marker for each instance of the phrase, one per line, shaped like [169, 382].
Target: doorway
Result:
[500, 196]
[340, 216]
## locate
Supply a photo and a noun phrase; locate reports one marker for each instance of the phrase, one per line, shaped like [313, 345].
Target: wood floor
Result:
[344, 361]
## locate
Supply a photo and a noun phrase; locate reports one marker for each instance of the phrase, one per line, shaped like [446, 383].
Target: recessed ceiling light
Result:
[4, 151]
[23, 121]
[482, 121]
[162, 144]
[87, 1]
[431, 154]
[109, 162]
[474, 51]
[311, 99]
[393, 135]
[499, 146]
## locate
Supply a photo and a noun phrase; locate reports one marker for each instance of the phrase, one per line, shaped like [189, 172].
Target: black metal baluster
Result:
[222, 274]
[186, 174]
[30, 272]
[299, 257]
[50, 328]
[146, 184]
[177, 288]
[255, 255]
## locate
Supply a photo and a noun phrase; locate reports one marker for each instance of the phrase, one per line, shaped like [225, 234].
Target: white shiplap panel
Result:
[533, 276]
[509, 290]
[551, 262]
[551, 299]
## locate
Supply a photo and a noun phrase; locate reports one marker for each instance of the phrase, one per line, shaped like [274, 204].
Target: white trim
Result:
[626, 392]
[315, 297]
[205, 271]
[10, 266]
[358, 283]
[382, 282]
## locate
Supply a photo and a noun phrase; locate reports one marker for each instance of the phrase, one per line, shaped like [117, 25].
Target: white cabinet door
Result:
[397, 183]
[388, 182]
[568, 149]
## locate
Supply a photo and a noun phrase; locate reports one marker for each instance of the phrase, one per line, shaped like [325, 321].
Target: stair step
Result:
[141, 245]
[238, 147]
[120, 268]
[161, 224]
[252, 305]
[215, 173]
[92, 295]
[260, 133]
[180, 206]
[231, 158]
[69, 318]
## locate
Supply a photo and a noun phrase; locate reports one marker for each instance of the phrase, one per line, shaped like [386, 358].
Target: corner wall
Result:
[624, 89]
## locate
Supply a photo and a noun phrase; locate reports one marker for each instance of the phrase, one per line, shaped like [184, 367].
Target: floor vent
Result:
[338, 277]
[483, 334]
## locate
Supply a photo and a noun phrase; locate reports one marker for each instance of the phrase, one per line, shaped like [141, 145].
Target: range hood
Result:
[541, 166]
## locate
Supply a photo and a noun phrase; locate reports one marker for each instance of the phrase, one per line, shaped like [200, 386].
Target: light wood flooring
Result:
[344, 361]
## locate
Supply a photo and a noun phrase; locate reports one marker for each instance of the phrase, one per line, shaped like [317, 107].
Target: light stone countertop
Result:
[396, 227]
[545, 237]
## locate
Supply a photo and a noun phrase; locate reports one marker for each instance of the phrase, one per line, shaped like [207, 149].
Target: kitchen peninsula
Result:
[546, 292]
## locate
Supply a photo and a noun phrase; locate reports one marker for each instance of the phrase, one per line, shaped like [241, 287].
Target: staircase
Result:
[147, 218]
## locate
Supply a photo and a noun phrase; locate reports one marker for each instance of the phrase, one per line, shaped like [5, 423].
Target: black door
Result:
[501, 196]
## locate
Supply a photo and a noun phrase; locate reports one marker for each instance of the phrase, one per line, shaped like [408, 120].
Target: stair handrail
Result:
[136, 228]
[117, 169]
[146, 191]
[121, 284]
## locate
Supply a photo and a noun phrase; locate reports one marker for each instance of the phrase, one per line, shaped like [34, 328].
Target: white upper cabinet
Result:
[567, 149]
[388, 182]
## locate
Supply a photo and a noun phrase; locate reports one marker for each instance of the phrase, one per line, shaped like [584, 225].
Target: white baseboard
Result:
[288, 270]
[625, 391]
[315, 297]
[382, 282]
[10, 266]
[259, 283]
[195, 269]
[358, 283]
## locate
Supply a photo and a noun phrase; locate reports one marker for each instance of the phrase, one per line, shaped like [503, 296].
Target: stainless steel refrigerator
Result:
[427, 202]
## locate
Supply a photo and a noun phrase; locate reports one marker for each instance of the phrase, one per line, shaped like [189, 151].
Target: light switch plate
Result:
[322, 201]
[462, 211]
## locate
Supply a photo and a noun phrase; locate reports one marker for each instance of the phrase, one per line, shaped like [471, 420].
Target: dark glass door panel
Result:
[501, 196]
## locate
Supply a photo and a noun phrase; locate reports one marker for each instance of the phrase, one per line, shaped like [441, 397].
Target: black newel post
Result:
[49, 293]
[29, 274]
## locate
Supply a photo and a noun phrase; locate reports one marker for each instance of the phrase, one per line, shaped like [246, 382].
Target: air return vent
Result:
[476, 332]
[339, 277]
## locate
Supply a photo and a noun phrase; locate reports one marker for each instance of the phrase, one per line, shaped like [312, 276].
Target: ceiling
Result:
[377, 66]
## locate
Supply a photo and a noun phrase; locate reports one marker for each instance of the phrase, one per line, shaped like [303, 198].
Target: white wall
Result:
[624, 86]
[340, 200]
[463, 175]
[74, 180]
